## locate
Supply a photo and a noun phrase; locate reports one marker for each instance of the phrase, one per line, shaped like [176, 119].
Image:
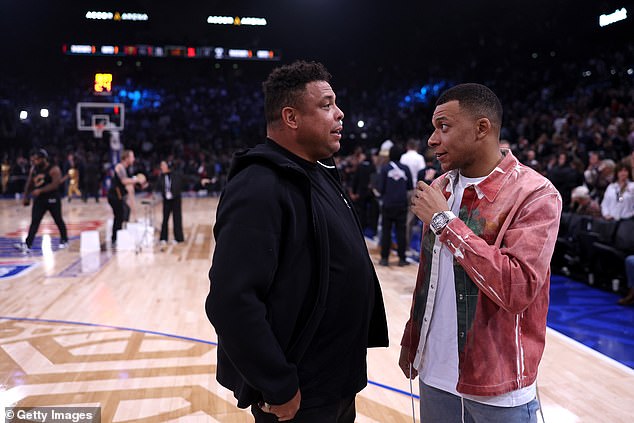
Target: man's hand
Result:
[406, 365]
[430, 174]
[427, 201]
[286, 411]
[36, 192]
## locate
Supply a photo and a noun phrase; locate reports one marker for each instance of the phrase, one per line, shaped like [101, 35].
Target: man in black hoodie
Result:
[294, 298]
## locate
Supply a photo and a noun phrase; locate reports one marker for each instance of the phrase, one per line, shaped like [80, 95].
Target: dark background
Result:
[380, 54]
[353, 34]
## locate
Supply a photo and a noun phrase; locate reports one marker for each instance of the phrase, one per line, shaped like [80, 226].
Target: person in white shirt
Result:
[415, 162]
[618, 199]
[412, 158]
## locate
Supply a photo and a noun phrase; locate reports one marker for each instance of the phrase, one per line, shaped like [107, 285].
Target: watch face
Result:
[439, 222]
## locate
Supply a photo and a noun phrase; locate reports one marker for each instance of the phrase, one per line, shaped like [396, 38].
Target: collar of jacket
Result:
[491, 185]
[273, 153]
[268, 152]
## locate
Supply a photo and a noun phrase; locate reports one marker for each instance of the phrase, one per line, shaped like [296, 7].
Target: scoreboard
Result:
[162, 51]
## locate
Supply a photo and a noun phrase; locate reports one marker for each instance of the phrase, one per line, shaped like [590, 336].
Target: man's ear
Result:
[290, 117]
[483, 127]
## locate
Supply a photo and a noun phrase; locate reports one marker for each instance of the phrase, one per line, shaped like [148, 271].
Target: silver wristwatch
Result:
[440, 220]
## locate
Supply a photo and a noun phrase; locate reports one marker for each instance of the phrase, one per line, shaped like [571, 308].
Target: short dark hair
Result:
[285, 85]
[476, 99]
[395, 153]
[620, 166]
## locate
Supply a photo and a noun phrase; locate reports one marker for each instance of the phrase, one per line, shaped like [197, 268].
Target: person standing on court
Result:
[43, 186]
[119, 189]
[394, 183]
[477, 328]
[415, 162]
[293, 298]
[91, 178]
[170, 185]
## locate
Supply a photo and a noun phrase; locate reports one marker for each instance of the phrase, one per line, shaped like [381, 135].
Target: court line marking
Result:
[169, 335]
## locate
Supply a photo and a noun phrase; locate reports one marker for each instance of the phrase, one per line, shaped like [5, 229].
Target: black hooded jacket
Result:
[269, 277]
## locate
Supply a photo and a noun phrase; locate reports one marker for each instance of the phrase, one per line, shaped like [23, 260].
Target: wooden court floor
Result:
[127, 332]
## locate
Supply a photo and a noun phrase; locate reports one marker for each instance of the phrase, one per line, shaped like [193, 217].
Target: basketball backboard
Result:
[110, 116]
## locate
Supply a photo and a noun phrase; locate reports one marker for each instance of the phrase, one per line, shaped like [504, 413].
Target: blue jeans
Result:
[437, 406]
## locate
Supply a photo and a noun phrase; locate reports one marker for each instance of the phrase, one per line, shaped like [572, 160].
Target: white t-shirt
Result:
[415, 161]
[439, 368]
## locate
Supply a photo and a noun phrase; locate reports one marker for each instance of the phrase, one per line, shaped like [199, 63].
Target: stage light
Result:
[24, 115]
[99, 15]
[264, 54]
[237, 21]
[117, 16]
[220, 20]
[80, 49]
[253, 21]
[44, 113]
[360, 124]
[134, 17]
[617, 15]
[108, 50]
[237, 53]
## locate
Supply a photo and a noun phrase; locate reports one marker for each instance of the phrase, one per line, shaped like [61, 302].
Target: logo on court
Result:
[10, 269]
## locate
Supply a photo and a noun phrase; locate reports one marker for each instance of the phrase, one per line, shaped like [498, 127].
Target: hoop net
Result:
[97, 130]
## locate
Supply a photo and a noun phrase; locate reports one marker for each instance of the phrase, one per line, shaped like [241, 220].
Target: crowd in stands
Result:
[573, 121]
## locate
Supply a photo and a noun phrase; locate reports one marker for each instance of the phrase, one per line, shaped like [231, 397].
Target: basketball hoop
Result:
[97, 130]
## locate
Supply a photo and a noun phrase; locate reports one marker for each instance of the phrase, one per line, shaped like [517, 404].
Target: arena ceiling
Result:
[335, 31]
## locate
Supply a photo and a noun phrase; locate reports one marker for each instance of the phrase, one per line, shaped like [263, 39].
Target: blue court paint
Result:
[7, 248]
[592, 317]
[12, 269]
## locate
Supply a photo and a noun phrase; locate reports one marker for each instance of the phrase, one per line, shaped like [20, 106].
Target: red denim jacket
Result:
[502, 245]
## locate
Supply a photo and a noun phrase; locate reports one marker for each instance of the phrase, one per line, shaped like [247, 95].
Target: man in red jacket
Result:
[478, 323]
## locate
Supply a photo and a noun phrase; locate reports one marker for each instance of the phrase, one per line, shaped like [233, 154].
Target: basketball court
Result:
[126, 331]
